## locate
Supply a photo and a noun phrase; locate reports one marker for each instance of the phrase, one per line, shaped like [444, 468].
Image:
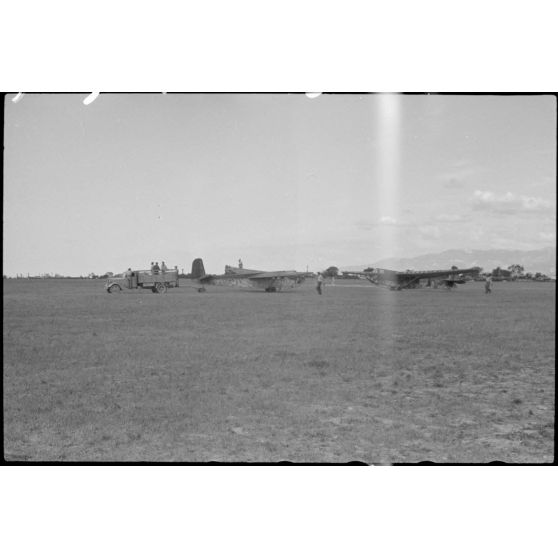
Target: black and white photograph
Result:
[279, 278]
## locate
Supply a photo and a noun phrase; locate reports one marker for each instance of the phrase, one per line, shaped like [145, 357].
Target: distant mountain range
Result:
[543, 260]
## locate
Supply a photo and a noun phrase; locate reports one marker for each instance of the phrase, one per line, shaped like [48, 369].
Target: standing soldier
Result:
[488, 284]
[128, 276]
[163, 267]
[319, 282]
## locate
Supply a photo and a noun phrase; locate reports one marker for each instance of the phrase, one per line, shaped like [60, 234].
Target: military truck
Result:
[143, 279]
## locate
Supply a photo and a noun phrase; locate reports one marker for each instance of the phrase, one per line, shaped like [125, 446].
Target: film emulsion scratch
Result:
[273, 278]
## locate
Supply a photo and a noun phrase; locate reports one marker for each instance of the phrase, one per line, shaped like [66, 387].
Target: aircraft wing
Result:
[435, 273]
[410, 279]
[274, 274]
[230, 270]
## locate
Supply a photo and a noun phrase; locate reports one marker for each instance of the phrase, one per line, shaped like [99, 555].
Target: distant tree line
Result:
[516, 272]
[60, 276]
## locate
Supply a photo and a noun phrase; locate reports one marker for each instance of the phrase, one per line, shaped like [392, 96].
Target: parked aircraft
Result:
[398, 280]
[269, 281]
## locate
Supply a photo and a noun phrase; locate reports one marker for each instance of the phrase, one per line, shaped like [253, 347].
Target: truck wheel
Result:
[161, 288]
[114, 289]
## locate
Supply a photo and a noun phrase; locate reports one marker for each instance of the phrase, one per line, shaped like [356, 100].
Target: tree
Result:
[331, 271]
[516, 270]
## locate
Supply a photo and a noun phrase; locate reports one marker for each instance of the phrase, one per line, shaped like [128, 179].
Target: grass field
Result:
[361, 373]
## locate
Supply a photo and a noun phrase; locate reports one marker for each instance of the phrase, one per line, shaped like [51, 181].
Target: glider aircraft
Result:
[398, 280]
[269, 281]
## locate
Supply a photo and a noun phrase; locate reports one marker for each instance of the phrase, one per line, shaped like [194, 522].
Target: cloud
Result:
[477, 233]
[429, 231]
[449, 218]
[551, 236]
[370, 224]
[454, 183]
[508, 203]
[508, 243]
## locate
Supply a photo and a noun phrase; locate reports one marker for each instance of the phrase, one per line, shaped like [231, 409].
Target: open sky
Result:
[281, 181]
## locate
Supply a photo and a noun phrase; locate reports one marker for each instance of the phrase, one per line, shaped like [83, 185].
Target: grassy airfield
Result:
[360, 373]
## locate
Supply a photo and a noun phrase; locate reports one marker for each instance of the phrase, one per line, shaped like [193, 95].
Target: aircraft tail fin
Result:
[197, 268]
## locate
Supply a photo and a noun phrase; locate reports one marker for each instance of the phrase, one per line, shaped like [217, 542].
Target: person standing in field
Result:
[319, 283]
[128, 274]
[488, 284]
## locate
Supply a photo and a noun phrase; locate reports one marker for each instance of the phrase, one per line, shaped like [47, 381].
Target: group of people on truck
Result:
[156, 269]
